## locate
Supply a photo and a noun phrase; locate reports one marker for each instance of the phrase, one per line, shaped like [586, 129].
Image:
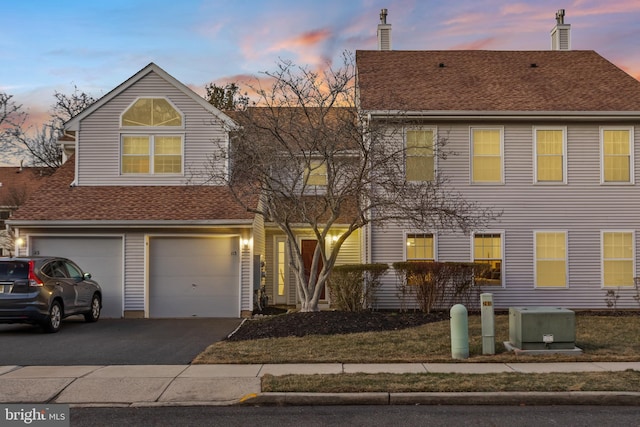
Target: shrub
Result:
[353, 287]
[440, 284]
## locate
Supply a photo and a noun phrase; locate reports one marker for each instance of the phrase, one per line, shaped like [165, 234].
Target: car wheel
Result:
[53, 321]
[94, 313]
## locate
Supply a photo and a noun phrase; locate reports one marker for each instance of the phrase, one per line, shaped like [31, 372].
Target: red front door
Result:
[308, 248]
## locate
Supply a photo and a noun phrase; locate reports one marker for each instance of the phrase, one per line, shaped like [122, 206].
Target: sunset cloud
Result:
[212, 41]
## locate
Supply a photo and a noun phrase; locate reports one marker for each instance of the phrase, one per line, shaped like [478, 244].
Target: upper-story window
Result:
[151, 144]
[486, 152]
[550, 159]
[617, 154]
[420, 163]
[316, 173]
[153, 112]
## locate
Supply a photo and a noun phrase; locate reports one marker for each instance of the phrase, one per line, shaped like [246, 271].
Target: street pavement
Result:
[194, 385]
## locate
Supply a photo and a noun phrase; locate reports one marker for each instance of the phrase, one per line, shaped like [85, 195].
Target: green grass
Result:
[603, 338]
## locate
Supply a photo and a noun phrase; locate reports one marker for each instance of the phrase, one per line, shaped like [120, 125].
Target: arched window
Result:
[158, 150]
[151, 112]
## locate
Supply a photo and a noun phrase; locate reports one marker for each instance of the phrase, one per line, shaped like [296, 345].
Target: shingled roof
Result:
[57, 200]
[17, 183]
[478, 80]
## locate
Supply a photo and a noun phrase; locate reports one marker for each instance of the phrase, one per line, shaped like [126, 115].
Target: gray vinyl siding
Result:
[99, 136]
[134, 267]
[583, 208]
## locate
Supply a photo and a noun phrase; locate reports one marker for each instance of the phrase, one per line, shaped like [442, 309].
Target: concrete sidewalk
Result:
[190, 385]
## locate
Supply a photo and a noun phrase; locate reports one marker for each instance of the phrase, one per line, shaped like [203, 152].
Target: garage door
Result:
[100, 256]
[194, 276]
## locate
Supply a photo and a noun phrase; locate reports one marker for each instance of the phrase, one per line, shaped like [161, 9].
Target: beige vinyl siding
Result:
[99, 136]
[582, 208]
[246, 278]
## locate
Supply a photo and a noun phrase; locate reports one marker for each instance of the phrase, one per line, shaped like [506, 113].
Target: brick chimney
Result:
[560, 35]
[384, 32]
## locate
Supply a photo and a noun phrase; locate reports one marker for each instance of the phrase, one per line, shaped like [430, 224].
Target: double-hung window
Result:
[550, 158]
[150, 143]
[551, 259]
[316, 173]
[617, 154]
[487, 249]
[420, 247]
[486, 155]
[420, 161]
[618, 258]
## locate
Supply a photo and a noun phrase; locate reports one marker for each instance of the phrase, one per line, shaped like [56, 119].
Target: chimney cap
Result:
[560, 16]
[383, 16]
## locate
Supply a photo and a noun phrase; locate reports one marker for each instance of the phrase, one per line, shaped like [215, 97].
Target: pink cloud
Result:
[307, 39]
[486, 44]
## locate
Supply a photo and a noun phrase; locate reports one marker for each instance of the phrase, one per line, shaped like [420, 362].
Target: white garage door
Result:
[194, 276]
[100, 256]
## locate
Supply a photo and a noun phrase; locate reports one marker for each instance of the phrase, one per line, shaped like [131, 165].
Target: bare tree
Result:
[317, 163]
[41, 145]
[11, 116]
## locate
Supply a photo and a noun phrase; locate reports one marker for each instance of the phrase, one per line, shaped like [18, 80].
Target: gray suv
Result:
[43, 290]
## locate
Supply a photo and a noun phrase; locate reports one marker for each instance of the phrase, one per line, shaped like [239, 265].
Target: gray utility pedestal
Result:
[542, 328]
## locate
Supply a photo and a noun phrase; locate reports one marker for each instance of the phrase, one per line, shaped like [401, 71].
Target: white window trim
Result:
[564, 155]
[434, 129]
[152, 136]
[631, 155]
[503, 271]
[535, 259]
[151, 129]
[404, 244]
[633, 256]
[471, 155]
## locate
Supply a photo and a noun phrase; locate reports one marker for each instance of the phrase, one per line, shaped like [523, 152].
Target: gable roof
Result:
[58, 201]
[73, 123]
[493, 81]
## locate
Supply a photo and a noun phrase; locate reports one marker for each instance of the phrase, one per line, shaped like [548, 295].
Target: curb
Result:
[596, 398]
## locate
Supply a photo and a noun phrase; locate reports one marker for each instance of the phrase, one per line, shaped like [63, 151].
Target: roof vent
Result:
[560, 34]
[384, 32]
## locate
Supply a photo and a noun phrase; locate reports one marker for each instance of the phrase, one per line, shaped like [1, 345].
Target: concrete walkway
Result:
[190, 385]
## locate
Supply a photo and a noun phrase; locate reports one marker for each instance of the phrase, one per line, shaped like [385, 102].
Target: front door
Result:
[308, 248]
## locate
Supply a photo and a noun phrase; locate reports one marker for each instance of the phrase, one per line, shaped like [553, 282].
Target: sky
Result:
[57, 45]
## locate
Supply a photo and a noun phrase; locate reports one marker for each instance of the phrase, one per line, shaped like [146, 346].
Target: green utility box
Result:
[542, 328]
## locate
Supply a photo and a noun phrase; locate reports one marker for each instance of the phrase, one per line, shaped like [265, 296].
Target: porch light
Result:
[245, 243]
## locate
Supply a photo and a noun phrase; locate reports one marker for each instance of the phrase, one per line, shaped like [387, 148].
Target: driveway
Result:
[112, 341]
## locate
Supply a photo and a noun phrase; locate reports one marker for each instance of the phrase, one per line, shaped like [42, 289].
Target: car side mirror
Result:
[87, 275]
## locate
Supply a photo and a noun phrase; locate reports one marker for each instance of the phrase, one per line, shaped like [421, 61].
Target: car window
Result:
[54, 269]
[73, 270]
[11, 270]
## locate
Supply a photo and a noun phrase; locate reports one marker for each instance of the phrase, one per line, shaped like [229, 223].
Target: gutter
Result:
[244, 223]
[509, 115]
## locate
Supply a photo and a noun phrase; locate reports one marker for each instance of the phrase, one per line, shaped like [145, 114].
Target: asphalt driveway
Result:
[112, 341]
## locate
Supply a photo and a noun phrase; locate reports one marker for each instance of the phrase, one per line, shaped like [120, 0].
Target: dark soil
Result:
[329, 323]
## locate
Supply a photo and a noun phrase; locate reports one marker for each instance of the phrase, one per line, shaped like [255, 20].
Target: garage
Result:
[99, 255]
[194, 277]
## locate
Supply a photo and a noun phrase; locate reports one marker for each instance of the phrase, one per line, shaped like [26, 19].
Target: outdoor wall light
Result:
[245, 243]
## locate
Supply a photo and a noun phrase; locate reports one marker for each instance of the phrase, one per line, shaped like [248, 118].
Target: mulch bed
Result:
[329, 323]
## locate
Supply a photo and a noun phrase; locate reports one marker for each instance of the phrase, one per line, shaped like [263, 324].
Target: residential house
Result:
[128, 207]
[134, 205]
[547, 138]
